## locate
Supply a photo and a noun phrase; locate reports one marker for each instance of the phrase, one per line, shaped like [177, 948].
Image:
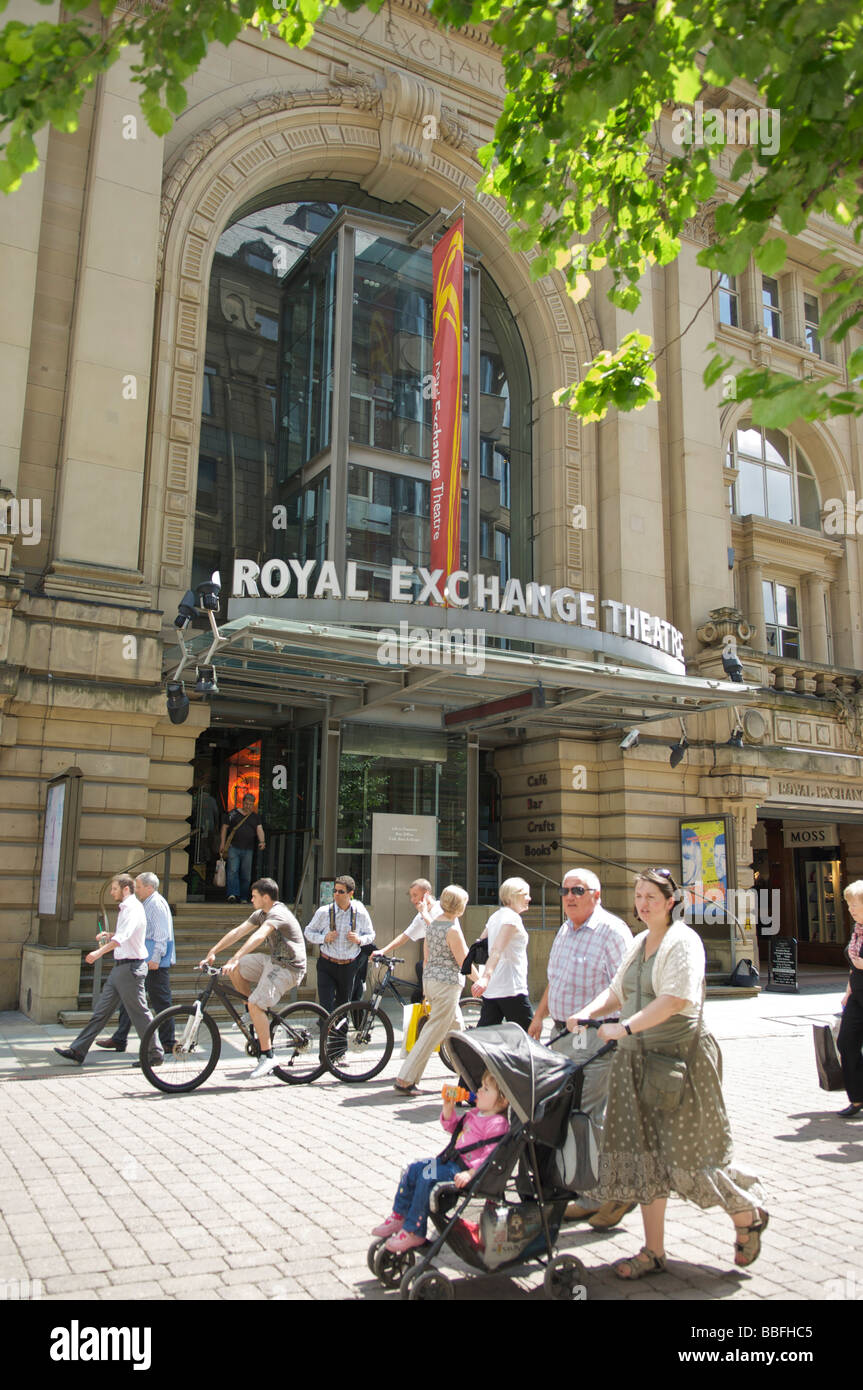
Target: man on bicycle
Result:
[264, 978]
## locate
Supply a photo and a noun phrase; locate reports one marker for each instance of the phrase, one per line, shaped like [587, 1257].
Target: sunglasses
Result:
[578, 890]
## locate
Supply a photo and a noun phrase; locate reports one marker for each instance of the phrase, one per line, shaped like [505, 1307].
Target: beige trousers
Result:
[444, 1017]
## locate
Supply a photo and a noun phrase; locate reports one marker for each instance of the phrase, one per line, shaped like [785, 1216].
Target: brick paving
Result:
[247, 1190]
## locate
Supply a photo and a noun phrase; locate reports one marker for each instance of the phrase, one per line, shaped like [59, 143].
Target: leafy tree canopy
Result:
[575, 154]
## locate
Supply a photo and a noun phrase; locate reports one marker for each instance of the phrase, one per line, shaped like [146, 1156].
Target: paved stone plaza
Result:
[249, 1190]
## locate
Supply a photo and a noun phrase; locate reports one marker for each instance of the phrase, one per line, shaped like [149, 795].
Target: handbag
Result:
[744, 974]
[220, 874]
[663, 1076]
[827, 1058]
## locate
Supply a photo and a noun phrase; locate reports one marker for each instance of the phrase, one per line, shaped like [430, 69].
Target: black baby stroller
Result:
[522, 1189]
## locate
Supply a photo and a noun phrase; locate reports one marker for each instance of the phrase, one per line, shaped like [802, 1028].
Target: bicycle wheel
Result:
[470, 1012]
[297, 1033]
[193, 1058]
[358, 1042]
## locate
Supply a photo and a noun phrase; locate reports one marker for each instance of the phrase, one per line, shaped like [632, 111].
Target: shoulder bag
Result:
[663, 1076]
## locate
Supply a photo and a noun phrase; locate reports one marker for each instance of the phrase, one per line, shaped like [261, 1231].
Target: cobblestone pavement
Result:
[252, 1189]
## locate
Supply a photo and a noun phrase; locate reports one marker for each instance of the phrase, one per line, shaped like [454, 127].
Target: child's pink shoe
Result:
[404, 1240]
[390, 1226]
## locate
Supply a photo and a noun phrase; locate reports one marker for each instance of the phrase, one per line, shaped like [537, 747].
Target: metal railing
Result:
[528, 868]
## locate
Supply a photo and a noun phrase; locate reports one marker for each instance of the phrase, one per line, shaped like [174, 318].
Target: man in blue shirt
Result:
[161, 955]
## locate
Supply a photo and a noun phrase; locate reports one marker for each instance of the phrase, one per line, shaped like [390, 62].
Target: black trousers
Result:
[515, 1008]
[158, 987]
[850, 1040]
[335, 982]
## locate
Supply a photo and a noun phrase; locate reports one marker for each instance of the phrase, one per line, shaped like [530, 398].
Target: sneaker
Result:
[264, 1067]
[389, 1227]
[232, 899]
[404, 1240]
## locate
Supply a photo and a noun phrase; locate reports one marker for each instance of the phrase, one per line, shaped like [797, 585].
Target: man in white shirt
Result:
[340, 928]
[125, 984]
[416, 930]
[161, 955]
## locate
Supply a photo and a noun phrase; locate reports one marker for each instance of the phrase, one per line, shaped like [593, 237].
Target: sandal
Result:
[747, 1246]
[406, 1090]
[645, 1262]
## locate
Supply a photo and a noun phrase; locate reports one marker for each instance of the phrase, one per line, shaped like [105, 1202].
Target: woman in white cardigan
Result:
[666, 1129]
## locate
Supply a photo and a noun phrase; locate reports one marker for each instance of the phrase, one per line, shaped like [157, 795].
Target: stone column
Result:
[753, 579]
[104, 439]
[815, 624]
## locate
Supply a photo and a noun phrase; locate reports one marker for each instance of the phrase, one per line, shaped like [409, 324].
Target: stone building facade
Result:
[146, 405]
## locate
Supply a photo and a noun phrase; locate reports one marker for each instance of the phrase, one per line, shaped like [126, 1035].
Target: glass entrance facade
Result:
[317, 401]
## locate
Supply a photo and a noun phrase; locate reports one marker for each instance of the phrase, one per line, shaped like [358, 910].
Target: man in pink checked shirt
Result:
[584, 956]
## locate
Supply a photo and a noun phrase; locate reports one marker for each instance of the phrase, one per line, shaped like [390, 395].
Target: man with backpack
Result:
[341, 929]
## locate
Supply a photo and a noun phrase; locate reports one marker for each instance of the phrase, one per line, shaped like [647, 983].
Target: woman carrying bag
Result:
[850, 1039]
[666, 1129]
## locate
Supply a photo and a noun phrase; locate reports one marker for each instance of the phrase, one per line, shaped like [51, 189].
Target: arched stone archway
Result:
[374, 135]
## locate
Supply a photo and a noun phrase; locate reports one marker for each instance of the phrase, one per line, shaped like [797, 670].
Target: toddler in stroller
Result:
[473, 1134]
[503, 1214]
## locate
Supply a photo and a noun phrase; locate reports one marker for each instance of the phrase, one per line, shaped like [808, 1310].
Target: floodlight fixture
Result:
[178, 702]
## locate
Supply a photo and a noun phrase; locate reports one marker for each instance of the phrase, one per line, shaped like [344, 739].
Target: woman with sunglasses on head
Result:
[665, 1125]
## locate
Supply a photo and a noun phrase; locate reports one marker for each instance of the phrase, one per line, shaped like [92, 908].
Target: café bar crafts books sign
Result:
[480, 599]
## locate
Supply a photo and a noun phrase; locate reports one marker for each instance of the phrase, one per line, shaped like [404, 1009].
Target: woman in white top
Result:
[665, 1125]
[502, 987]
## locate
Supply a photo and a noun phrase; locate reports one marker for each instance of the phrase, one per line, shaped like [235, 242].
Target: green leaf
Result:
[770, 256]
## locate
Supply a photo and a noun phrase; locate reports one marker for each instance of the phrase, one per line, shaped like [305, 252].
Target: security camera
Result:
[631, 739]
[732, 666]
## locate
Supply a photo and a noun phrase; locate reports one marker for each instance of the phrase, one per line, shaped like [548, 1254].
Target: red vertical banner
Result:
[448, 276]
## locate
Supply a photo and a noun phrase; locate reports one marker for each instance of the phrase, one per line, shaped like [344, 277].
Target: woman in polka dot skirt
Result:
[667, 1132]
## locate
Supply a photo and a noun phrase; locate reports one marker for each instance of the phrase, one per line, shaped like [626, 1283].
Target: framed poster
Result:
[59, 856]
[707, 862]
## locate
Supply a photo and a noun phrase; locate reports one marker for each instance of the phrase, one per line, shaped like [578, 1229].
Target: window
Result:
[782, 627]
[207, 400]
[267, 325]
[771, 312]
[729, 301]
[811, 317]
[774, 479]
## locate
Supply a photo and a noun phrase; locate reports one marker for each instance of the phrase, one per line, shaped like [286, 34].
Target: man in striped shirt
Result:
[584, 958]
[161, 955]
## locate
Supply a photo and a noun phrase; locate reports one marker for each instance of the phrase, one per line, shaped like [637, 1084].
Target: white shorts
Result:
[273, 980]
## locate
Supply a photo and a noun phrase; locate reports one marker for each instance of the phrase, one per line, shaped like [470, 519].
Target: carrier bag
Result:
[505, 1232]
[220, 874]
[576, 1159]
[827, 1058]
[412, 1014]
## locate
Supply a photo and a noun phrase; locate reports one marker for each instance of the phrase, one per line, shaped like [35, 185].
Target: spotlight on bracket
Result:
[186, 610]
[208, 593]
[178, 702]
[205, 680]
[630, 740]
[678, 750]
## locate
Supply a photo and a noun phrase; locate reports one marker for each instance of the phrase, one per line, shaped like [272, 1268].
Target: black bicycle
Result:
[359, 1037]
[297, 1033]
